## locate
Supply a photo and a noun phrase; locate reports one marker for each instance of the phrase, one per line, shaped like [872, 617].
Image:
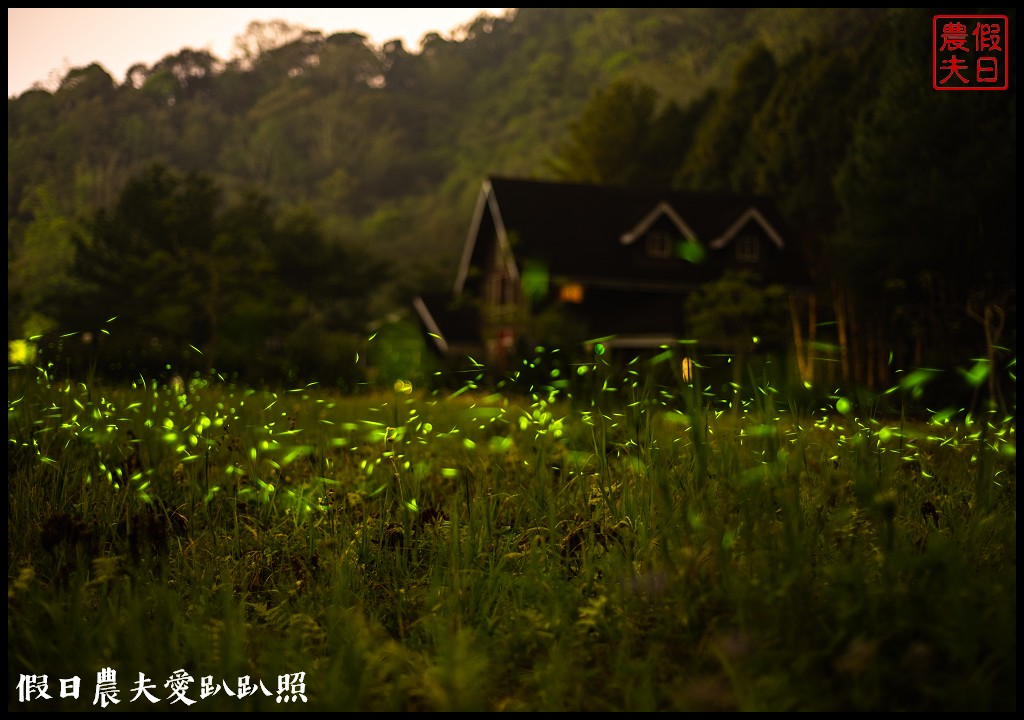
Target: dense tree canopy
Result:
[277, 163]
[221, 286]
[623, 138]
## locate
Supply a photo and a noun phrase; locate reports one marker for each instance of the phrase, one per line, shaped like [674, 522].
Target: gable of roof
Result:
[752, 214]
[663, 209]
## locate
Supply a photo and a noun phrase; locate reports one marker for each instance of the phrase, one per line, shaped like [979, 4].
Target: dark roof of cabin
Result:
[576, 230]
[441, 314]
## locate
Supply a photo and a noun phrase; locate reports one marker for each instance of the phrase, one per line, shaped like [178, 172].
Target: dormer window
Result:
[659, 245]
[748, 249]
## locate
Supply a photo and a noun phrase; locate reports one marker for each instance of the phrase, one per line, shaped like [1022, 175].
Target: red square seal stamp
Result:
[970, 52]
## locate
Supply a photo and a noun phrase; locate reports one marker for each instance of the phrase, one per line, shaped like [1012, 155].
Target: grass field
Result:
[585, 543]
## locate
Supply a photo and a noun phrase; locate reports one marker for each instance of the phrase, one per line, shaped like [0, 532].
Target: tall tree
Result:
[622, 138]
[141, 261]
[39, 261]
[927, 195]
[718, 142]
[180, 268]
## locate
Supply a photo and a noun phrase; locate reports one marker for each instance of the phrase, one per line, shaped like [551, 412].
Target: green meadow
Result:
[594, 538]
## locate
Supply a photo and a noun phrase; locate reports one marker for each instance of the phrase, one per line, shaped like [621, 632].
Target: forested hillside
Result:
[278, 202]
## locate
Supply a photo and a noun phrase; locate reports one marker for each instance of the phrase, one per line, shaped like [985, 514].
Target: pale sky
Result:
[44, 41]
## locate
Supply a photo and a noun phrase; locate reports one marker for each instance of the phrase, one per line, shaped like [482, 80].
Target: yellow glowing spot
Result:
[571, 293]
[687, 369]
[21, 352]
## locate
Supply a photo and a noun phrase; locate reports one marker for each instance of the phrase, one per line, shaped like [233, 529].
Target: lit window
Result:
[571, 293]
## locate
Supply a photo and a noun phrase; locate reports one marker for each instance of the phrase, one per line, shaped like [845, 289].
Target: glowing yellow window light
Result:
[571, 292]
